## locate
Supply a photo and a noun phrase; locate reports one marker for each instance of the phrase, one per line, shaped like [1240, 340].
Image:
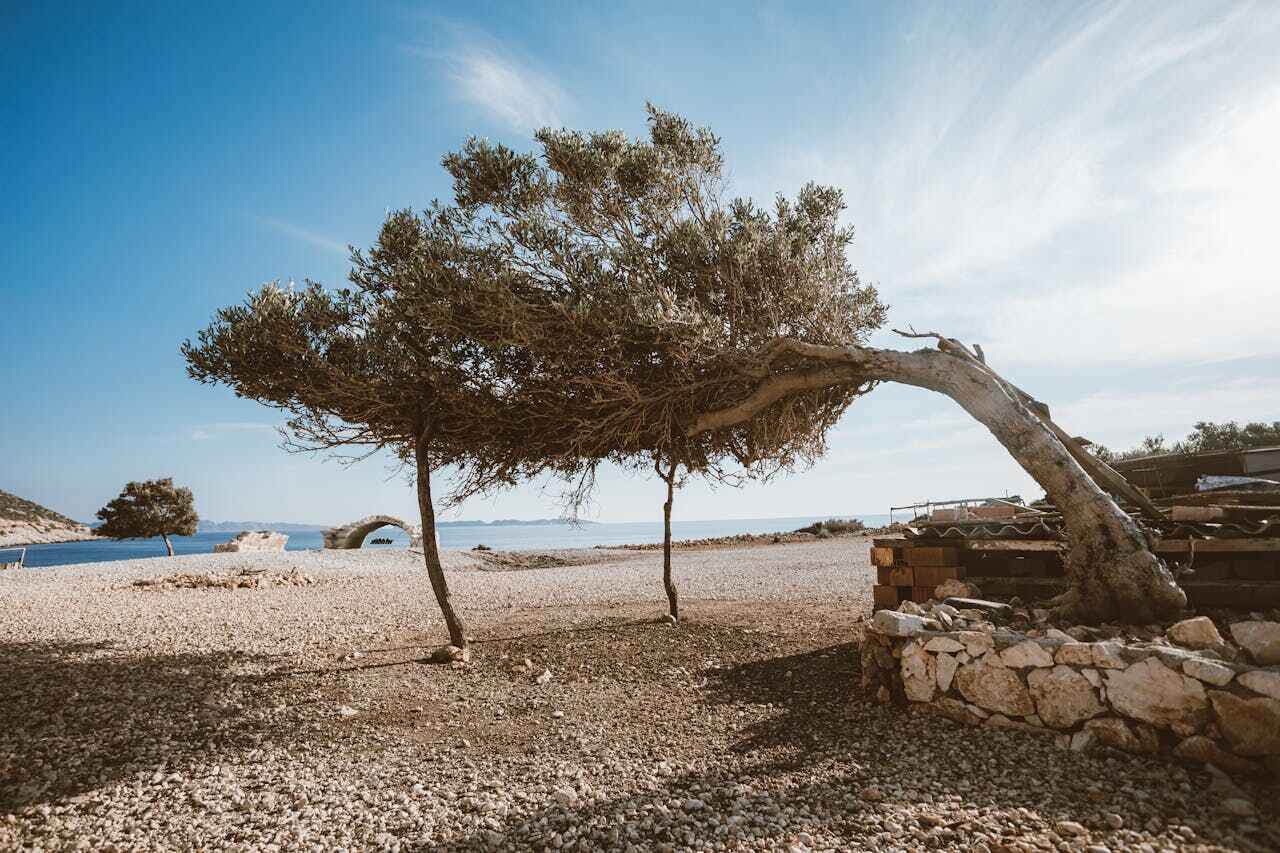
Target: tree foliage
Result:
[1205, 437]
[147, 509]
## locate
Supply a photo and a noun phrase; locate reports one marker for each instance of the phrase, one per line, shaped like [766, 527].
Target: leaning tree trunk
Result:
[1113, 573]
[673, 597]
[431, 552]
[168, 546]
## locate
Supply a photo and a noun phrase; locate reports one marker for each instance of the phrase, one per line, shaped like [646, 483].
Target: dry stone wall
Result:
[1190, 699]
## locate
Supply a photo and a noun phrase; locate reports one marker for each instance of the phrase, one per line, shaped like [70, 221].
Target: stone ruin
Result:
[352, 536]
[253, 540]
[1189, 692]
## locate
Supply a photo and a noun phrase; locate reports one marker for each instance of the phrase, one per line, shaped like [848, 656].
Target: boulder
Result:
[1251, 726]
[1197, 633]
[253, 540]
[1117, 733]
[1260, 639]
[1208, 671]
[994, 688]
[891, 623]
[1204, 750]
[1151, 692]
[1262, 681]
[1063, 696]
[1025, 654]
[945, 667]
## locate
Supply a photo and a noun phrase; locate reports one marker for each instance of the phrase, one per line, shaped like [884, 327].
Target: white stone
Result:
[253, 540]
[919, 679]
[1260, 639]
[975, 642]
[1055, 634]
[891, 623]
[943, 644]
[1208, 671]
[1063, 697]
[1083, 741]
[994, 688]
[945, 666]
[1197, 633]
[1151, 692]
[1262, 681]
[1027, 653]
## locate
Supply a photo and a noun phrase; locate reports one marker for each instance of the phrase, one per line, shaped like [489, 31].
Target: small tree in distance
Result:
[149, 509]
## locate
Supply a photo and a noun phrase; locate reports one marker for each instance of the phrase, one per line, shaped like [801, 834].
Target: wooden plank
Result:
[932, 556]
[1223, 513]
[1250, 568]
[1250, 596]
[1027, 545]
[895, 575]
[883, 597]
[1205, 546]
[886, 556]
[931, 576]
[921, 594]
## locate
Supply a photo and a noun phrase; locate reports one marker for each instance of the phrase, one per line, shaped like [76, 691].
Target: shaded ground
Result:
[576, 728]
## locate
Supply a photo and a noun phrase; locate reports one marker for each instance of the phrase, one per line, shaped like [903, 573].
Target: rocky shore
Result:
[18, 533]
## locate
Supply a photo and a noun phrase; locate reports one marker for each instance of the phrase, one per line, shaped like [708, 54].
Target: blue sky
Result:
[1087, 190]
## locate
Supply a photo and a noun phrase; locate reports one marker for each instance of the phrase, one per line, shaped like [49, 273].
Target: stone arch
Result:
[352, 536]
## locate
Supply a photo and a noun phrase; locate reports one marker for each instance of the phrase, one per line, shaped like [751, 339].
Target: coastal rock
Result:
[1151, 692]
[1251, 726]
[994, 688]
[1260, 639]
[253, 540]
[1063, 697]
[1197, 633]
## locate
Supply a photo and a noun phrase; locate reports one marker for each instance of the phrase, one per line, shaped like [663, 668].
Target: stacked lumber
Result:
[909, 572]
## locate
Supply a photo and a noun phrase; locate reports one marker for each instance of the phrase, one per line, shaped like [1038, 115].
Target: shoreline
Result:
[21, 534]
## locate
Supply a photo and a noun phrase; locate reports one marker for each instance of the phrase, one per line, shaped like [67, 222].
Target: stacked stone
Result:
[1195, 696]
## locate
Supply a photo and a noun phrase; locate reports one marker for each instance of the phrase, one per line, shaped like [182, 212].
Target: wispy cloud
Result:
[511, 89]
[1100, 184]
[209, 431]
[297, 232]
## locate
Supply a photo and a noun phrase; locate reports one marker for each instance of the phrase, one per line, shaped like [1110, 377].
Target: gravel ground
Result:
[303, 716]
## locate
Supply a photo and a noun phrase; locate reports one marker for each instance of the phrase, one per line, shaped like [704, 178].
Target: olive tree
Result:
[654, 318]
[147, 509]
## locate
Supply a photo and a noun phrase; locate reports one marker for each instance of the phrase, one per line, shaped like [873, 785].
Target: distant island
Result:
[24, 522]
[293, 527]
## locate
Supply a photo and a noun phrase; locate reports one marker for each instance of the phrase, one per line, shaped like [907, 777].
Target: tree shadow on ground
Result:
[79, 716]
[820, 763]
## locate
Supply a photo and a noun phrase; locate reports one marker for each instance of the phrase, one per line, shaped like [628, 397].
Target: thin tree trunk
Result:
[430, 551]
[673, 597]
[1112, 571]
[167, 544]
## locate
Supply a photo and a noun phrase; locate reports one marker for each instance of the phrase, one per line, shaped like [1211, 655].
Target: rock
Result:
[1260, 639]
[891, 623]
[1197, 633]
[346, 711]
[1113, 820]
[954, 709]
[945, 667]
[1237, 807]
[871, 794]
[544, 677]
[1061, 636]
[1083, 741]
[694, 805]
[995, 689]
[1071, 828]
[1108, 656]
[919, 678]
[1074, 654]
[994, 610]
[975, 642]
[565, 796]
[1208, 671]
[253, 540]
[1117, 733]
[1151, 692]
[1063, 697]
[955, 589]
[1251, 726]
[1025, 654]
[1262, 681]
[450, 654]
[1204, 750]
[943, 644]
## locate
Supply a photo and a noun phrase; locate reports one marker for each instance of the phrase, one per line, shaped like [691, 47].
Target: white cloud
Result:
[205, 432]
[511, 90]
[297, 232]
[1100, 191]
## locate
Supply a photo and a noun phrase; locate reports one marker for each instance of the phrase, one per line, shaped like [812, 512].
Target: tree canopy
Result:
[1206, 436]
[147, 509]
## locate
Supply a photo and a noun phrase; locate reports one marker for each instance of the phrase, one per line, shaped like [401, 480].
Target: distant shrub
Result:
[834, 527]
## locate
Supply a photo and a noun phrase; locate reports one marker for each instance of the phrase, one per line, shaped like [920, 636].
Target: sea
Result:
[500, 537]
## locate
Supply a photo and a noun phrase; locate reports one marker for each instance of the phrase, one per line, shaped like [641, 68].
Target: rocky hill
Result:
[25, 523]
